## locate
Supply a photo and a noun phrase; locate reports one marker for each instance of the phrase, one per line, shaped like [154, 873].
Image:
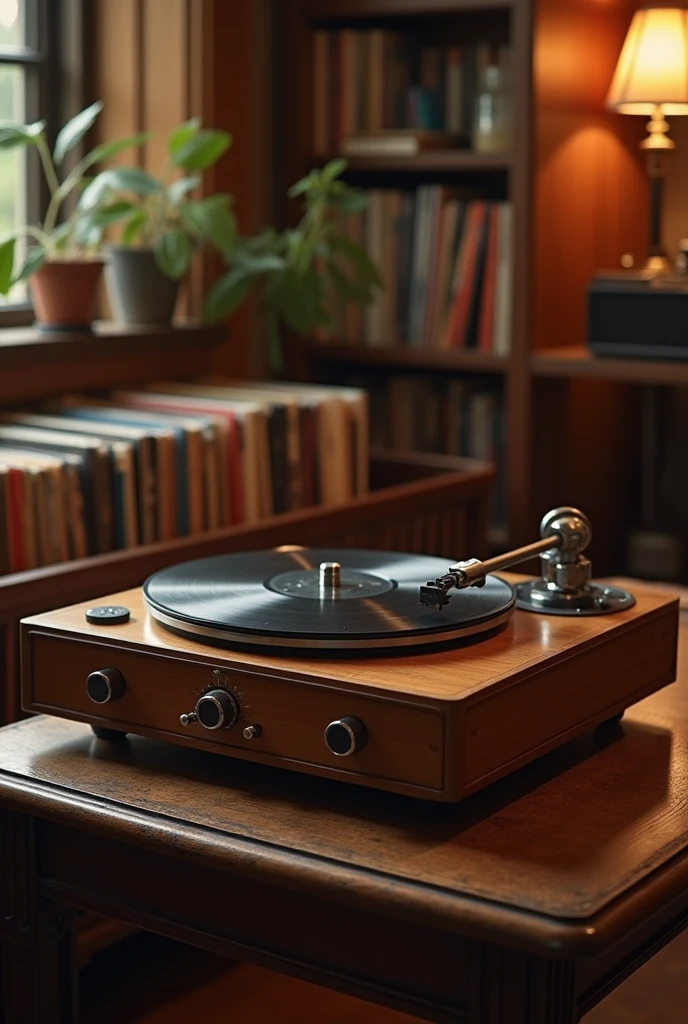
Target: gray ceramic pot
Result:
[138, 290]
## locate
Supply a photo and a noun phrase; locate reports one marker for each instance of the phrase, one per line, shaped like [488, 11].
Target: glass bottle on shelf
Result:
[493, 119]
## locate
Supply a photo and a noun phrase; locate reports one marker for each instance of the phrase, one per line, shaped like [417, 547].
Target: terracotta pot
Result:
[64, 294]
[139, 292]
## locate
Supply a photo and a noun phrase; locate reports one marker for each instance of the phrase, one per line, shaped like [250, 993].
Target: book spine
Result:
[279, 458]
[487, 304]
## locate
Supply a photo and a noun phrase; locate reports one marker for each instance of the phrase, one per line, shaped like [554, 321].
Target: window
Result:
[29, 90]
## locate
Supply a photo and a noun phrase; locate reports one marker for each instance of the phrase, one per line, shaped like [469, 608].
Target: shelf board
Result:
[580, 362]
[35, 364]
[401, 358]
[428, 160]
[326, 10]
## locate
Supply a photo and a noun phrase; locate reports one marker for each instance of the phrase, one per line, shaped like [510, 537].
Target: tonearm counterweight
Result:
[565, 586]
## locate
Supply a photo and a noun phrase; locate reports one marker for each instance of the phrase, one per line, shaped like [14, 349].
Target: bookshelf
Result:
[571, 175]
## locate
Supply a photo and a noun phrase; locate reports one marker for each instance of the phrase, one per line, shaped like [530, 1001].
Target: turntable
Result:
[398, 672]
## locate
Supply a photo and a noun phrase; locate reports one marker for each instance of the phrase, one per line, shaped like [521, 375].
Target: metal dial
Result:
[346, 736]
[217, 709]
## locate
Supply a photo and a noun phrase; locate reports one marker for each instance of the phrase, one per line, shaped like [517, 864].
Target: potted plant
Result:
[301, 273]
[62, 262]
[161, 226]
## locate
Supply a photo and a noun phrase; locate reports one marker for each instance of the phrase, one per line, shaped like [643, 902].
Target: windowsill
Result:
[36, 364]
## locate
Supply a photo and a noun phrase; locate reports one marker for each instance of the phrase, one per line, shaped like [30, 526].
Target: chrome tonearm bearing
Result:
[565, 586]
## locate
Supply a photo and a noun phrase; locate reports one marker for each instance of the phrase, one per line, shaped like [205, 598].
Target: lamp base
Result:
[654, 266]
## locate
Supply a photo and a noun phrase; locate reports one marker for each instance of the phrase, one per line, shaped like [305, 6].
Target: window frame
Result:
[53, 58]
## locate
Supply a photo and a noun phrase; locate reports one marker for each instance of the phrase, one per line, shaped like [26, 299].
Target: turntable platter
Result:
[319, 598]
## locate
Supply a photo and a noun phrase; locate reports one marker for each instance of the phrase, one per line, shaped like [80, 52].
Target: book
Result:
[94, 469]
[503, 304]
[397, 142]
[488, 299]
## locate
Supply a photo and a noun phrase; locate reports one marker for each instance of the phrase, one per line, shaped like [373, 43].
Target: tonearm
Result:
[564, 587]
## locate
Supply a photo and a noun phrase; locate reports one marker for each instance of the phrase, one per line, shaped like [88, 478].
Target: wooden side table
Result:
[526, 904]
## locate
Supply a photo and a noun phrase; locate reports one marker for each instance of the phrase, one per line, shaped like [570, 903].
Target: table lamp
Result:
[651, 77]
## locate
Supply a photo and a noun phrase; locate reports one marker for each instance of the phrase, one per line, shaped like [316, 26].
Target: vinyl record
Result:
[278, 598]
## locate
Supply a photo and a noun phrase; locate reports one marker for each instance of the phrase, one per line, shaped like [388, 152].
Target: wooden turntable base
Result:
[437, 725]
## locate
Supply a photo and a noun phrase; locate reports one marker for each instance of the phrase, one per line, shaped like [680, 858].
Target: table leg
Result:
[514, 988]
[38, 981]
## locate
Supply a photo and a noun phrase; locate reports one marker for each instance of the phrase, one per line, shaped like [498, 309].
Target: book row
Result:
[447, 268]
[82, 476]
[450, 416]
[369, 81]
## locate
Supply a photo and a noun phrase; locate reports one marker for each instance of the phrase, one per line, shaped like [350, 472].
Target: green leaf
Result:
[181, 187]
[349, 201]
[35, 258]
[6, 265]
[212, 219]
[74, 131]
[13, 134]
[106, 150]
[333, 169]
[173, 253]
[347, 290]
[304, 184]
[85, 234]
[133, 226]
[111, 213]
[182, 134]
[202, 151]
[118, 179]
[364, 265]
[228, 292]
[262, 264]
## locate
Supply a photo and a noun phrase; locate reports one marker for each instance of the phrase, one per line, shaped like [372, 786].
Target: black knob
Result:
[105, 684]
[346, 736]
[217, 709]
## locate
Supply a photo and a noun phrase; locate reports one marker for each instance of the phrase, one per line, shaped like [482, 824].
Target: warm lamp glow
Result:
[653, 67]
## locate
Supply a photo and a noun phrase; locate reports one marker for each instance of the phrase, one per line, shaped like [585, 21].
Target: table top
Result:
[568, 852]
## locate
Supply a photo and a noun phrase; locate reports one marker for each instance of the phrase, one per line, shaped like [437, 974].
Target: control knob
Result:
[216, 709]
[346, 736]
[105, 685]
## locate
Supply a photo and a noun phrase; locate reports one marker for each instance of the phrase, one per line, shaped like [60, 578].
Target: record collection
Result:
[84, 475]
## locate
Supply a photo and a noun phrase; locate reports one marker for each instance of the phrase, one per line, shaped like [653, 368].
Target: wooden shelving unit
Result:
[402, 358]
[431, 160]
[579, 362]
[573, 176]
[36, 364]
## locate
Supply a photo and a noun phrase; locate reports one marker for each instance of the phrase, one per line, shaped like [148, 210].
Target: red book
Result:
[487, 305]
[466, 269]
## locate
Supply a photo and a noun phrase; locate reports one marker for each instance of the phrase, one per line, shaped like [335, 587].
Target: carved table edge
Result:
[468, 915]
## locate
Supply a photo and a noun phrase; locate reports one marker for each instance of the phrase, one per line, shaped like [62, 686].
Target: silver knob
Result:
[216, 709]
[252, 732]
[346, 736]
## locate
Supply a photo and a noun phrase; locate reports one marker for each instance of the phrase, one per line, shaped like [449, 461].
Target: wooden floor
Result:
[148, 980]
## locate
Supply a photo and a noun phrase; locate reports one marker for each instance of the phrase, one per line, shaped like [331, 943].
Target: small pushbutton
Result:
[107, 615]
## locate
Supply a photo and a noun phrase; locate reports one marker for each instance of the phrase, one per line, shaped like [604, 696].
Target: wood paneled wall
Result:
[589, 191]
[158, 62]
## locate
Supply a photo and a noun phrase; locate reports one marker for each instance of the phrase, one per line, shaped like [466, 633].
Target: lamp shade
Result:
[653, 67]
